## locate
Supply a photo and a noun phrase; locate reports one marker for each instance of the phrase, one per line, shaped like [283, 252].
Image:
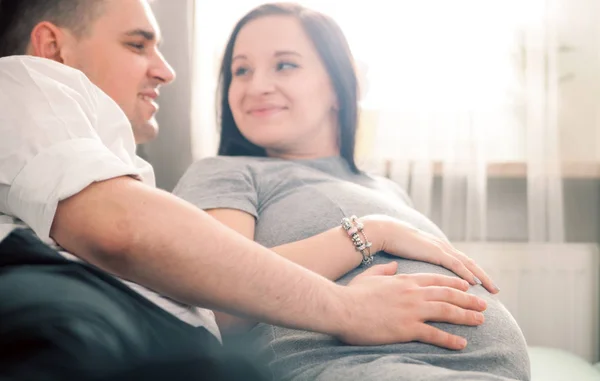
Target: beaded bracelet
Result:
[353, 227]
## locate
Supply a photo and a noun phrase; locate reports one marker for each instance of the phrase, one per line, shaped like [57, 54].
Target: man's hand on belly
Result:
[386, 308]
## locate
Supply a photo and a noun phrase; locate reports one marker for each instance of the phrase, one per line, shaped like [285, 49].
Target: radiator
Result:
[552, 290]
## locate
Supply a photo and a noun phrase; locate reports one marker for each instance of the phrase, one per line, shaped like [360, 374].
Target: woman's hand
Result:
[402, 240]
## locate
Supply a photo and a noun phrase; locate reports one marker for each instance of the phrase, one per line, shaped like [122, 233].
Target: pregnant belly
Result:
[495, 347]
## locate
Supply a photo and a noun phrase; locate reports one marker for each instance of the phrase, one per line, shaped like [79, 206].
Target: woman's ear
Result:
[47, 41]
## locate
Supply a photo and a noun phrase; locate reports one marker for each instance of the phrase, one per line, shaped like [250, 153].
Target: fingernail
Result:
[462, 342]
[496, 288]
[477, 280]
[480, 318]
[482, 303]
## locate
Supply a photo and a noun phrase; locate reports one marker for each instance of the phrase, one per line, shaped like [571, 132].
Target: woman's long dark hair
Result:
[332, 47]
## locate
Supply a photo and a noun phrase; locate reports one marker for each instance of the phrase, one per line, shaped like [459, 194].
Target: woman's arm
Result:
[386, 234]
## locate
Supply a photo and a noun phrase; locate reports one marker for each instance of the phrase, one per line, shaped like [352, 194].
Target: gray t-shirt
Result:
[294, 200]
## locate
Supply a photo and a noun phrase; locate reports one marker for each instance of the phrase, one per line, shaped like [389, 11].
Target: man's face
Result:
[120, 55]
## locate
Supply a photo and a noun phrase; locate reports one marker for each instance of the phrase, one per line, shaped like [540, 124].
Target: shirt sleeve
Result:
[58, 134]
[219, 182]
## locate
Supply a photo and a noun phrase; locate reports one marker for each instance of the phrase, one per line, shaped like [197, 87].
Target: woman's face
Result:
[281, 96]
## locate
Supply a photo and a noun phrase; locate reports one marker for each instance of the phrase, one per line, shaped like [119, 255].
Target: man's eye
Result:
[136, 46]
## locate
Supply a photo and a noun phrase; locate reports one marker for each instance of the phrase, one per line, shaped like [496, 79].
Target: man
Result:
[68, 171]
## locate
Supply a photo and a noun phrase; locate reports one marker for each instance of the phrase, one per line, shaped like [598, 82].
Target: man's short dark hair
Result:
[19, 17]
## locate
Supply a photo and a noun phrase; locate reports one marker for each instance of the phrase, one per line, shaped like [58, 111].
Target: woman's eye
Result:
[286, 66]
[240, 71]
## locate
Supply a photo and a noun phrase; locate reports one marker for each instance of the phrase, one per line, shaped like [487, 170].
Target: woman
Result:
[286, 177]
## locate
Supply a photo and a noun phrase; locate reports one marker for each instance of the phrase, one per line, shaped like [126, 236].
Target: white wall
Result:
[171, 153]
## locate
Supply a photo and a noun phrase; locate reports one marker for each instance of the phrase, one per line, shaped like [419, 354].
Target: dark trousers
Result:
[62, 320]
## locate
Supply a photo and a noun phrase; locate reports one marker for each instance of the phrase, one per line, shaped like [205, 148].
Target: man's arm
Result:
[155, 239]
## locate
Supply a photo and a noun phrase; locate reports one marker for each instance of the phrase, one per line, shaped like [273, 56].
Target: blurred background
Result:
[487, 112]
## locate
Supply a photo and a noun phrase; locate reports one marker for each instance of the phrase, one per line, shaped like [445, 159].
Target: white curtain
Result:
[541, 85]
[478, 85]
[448, 88]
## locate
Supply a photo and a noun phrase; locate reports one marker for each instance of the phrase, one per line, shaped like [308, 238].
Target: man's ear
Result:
[47, 41]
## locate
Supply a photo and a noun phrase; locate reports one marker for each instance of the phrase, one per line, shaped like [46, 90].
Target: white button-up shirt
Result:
[60, 133]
